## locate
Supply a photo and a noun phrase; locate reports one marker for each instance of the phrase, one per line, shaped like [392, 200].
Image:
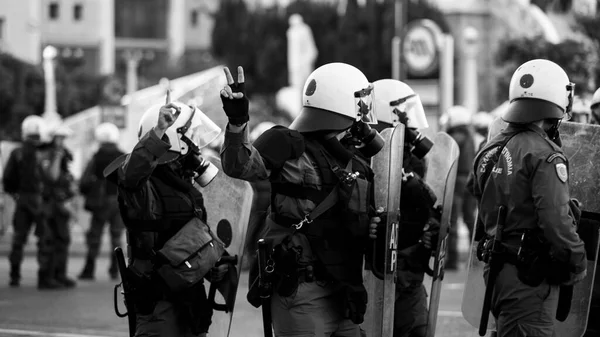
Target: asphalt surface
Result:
[87, 310]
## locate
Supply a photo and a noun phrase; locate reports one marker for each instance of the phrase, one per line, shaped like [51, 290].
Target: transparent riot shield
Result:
[580, 145]
[380, 272]
[228, 202]
[440, 176]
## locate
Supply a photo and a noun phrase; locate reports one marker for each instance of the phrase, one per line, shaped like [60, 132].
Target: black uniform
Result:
[101, 201]
[156, 199]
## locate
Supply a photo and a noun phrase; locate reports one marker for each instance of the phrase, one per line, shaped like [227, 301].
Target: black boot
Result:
[45, 282]
[66, 282]
[88, 270]
[15, 276]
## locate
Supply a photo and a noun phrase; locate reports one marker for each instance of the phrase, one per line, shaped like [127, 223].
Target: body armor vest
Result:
[147, 235]
[339, 236]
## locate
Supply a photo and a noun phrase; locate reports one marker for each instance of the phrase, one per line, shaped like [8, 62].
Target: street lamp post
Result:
[50, 111]
[400, 17]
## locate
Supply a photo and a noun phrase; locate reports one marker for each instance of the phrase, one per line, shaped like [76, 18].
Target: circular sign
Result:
[420, 48]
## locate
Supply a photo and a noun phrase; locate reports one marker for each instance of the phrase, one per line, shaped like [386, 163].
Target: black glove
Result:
[235, 108]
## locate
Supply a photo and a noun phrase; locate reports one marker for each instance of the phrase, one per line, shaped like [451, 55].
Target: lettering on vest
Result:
[509, 162]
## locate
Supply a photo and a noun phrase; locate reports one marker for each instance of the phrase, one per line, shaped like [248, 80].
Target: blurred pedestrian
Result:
[463, 204]
[101, 200]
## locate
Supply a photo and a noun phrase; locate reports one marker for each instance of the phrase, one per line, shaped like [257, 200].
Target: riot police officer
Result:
[158, 198]
[524, 170]
[101, 201]
[318, 240]
[24, 179]
[463, 204]
[396, 102]
[58, 198]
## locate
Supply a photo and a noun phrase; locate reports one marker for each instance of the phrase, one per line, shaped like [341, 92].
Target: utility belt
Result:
[532, 259]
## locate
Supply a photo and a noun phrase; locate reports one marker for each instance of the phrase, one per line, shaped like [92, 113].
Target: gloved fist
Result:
[375, 221]
[576, 278]
[233, 96]
[575, 208]
[218, 273]
[431, 232]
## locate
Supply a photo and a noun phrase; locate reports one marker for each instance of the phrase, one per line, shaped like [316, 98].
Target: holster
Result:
[355, 302]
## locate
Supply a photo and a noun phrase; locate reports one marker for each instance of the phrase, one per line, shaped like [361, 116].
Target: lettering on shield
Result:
[393, 247]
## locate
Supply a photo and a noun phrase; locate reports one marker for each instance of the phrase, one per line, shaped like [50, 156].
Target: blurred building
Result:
[100, 35]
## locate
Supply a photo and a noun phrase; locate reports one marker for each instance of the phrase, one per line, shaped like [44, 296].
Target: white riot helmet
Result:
[107, 133]
[458, 115]
[32, 126]
[191, 131]
[335, 96]
[539, 89]
[394, 98]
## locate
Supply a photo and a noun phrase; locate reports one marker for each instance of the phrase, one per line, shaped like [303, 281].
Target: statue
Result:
[301, 55]
[301, 51]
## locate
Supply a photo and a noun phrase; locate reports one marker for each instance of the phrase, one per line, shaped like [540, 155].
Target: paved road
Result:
[87, 311]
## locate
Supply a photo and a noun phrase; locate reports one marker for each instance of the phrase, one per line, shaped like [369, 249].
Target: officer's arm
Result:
[10, 179]
[239, 158]
[142, 161]
[551, 199]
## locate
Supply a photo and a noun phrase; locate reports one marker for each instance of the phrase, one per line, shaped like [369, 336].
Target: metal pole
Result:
[400, 17]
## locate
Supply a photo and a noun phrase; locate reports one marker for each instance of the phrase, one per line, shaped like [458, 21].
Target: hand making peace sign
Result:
[233, 96]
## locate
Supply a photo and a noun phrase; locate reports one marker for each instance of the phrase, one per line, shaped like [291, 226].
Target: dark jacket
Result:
[531, 180]
[463, 136]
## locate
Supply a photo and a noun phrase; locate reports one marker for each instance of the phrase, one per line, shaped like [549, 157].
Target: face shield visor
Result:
[409, 111]
[200, 129]
[363, 100]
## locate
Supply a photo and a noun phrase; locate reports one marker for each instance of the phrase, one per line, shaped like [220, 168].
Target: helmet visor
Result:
[202, 130]
[410, 109]
[363, 100]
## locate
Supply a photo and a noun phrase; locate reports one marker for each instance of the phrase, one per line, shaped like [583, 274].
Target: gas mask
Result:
[418, 144]
[367, 140]
[202, 170]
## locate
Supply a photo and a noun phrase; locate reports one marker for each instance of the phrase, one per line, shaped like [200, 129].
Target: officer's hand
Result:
[575, 207]
[431, 232]
[576, 278]
[217, 273]
[168, 114]
[374, 224]
[233, 96]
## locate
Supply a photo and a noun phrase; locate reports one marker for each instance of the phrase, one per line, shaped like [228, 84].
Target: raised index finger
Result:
[168, 99]
[240, 74]
[228, 76]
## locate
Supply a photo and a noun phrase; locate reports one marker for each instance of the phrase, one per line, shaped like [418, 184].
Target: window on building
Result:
[77, 12]
[194, 15]
[1, 29]
[53, 10]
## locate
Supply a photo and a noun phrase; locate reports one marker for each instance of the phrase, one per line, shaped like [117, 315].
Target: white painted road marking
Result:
[16, 332]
